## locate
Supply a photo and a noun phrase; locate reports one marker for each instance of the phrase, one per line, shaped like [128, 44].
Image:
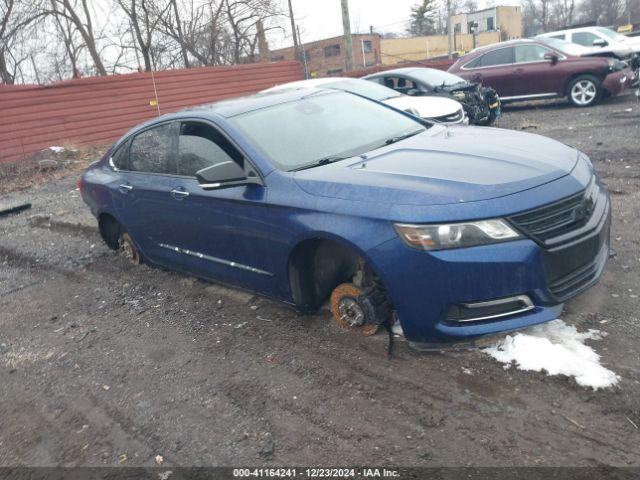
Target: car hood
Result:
[631, 42]
[427, 107]
[444, 165]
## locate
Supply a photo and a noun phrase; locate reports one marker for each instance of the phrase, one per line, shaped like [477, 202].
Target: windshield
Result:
[320, 126]
[368, 89]
[611, 34]
[436, 78]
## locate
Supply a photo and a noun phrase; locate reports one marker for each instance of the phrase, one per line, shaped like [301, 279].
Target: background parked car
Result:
[481, 105]
[528, 69]
[438, 109]
[601, 41]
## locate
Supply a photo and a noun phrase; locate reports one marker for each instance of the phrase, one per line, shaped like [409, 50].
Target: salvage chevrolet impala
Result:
[308, 196]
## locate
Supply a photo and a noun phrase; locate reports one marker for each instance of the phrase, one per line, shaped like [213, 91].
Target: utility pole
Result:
[294, 31]
[348, 43]
[449, 29]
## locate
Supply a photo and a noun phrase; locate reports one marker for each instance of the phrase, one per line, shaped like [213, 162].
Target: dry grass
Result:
[31, 172]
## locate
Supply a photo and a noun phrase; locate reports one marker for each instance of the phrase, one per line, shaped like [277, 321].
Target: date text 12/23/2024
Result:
[371, 472]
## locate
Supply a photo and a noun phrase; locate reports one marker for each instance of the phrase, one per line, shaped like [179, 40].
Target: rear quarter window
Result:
[120, 158]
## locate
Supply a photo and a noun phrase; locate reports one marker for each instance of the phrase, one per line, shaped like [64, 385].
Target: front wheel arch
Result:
[317, 265]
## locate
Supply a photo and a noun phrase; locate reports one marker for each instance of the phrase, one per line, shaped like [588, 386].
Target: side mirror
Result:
[552, 57]
[224, 175]
[413, 92]
[600, 43]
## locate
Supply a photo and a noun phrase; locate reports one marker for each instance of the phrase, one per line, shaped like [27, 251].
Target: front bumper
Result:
[617, 82]
[424, 286]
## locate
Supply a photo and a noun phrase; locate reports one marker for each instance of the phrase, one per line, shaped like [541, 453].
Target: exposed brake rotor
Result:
[351, 310]
[129, 249]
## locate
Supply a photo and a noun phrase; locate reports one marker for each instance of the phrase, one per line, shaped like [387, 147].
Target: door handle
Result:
[125, 188]
[179, 194]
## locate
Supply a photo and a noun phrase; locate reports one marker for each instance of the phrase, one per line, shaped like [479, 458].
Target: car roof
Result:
[236, 106]
[569, 30]
[507, 43]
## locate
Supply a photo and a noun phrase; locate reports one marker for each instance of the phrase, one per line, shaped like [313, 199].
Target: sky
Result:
[318, 19]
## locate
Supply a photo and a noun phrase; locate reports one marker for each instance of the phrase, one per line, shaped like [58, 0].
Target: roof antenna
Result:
[153, 79]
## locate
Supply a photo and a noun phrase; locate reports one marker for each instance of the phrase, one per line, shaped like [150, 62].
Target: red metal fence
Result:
[100, 109]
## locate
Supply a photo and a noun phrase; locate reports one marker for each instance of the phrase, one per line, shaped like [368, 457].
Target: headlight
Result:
[616, 65]
[456, 235]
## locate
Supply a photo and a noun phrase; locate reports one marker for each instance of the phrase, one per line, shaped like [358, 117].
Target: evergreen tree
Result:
[423, 18]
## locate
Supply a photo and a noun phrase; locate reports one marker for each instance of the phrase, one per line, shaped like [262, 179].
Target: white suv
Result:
[600, 41]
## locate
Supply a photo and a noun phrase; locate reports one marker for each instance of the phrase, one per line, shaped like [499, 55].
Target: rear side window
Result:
[200, 146]
[152, 151]
[584, 38]
[501, 56]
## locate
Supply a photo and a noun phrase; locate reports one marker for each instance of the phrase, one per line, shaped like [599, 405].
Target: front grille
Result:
[454, 117]
[560, 218]
[551, 221]
[581, 278]
[574, 235]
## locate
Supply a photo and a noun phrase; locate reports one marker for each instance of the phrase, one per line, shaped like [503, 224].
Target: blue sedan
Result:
[310, 196]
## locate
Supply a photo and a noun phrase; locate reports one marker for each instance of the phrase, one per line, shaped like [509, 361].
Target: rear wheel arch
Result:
[110, 230]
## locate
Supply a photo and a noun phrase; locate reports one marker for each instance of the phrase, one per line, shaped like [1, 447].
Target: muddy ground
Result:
[104, 363]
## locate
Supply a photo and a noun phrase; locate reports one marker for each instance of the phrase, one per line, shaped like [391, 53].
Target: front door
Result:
[534, 74]
[224, 234]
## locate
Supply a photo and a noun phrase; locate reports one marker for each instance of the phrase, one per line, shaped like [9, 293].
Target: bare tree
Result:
[143, 18]
[15, 18]
[81, 17]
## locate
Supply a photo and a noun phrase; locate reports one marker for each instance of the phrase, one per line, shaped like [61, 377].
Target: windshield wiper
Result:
[322, 161]
[391, 140]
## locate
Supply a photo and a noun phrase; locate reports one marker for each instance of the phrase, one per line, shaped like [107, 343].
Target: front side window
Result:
[400, 84]
[584, 38]
[152, 151]
[200, 146]
[530, 53]
[328, 125]
[501, 56]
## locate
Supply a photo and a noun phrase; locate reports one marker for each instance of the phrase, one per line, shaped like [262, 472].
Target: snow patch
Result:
[56, 149]
[556, 349]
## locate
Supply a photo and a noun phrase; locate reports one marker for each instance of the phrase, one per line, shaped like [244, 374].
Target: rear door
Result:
[535, 75]
[494, 69]
[146, 194]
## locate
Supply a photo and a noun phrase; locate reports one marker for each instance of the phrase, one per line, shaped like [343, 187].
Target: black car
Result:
[481, 104]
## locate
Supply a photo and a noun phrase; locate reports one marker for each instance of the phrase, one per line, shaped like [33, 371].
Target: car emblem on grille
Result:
[584, 210]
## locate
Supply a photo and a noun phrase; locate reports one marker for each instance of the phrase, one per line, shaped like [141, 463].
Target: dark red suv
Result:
[529, 70]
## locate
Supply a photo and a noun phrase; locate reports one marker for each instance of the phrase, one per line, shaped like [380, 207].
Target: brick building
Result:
[327, 57]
